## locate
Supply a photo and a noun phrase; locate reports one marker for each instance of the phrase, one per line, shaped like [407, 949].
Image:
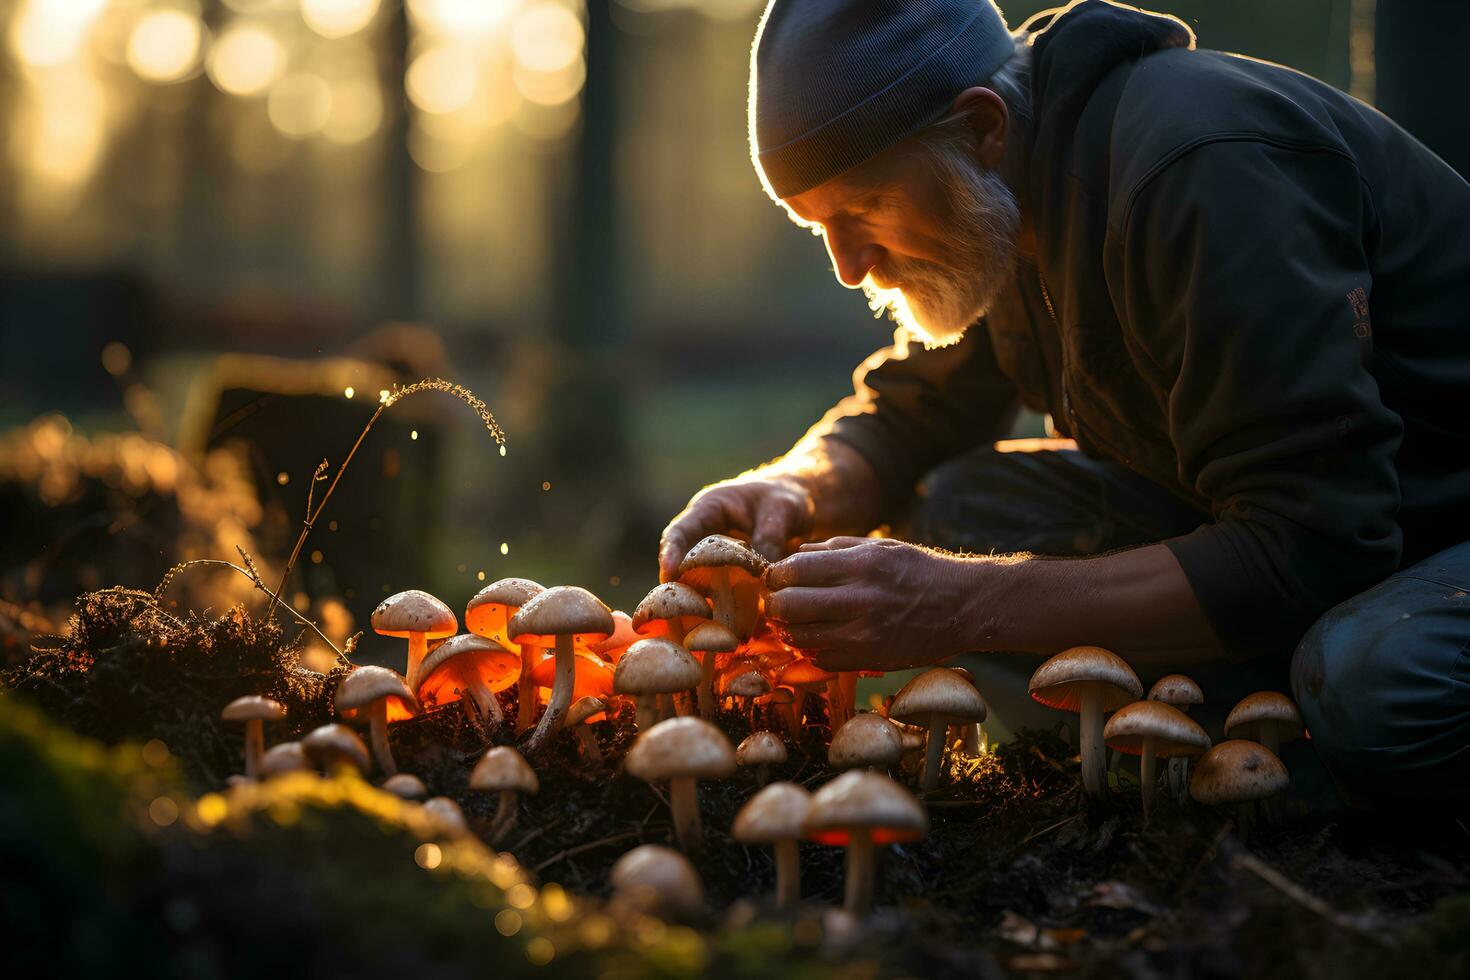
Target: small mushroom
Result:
[1181, 692]
[730, 574]
[503, 770]
[283, 758]
[774, 816]
[580, 716]
[1237, 773]
[473, 665]
[708, 641]
[1153, 730]
[381, 697]
[671, 609]
[1090, 682]
[571, 619]
[651, 668]
[866, 741]
[446, 816]
[334, 746]
[782, 701]
[658, 881]
[254, 711]
[405, 786]
[936, 699]
[417, 616]
[860, 809]
[682, 751]
[749, 686]
[759, 750]
[1266, 717]
[488, 614]
[805, 678]
[612, 648]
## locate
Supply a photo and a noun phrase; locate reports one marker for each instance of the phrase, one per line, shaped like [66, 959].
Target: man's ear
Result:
[989, 121]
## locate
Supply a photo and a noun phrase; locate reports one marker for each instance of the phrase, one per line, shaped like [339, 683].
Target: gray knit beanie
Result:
[836, 82]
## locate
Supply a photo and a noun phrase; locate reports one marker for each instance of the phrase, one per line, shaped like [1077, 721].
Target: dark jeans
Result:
[1382, 680]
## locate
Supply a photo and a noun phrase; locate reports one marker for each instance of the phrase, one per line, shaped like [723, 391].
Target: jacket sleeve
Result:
[1244, 285]
[912, 408]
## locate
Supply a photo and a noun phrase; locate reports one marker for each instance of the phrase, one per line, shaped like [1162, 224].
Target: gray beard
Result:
[936, 303]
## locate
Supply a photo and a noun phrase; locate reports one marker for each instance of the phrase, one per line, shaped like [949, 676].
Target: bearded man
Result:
[1236, 293]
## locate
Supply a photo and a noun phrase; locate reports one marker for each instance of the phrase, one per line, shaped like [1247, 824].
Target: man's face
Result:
[927, 233]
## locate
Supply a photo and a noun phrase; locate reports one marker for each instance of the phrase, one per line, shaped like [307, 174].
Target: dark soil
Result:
[1018, 873]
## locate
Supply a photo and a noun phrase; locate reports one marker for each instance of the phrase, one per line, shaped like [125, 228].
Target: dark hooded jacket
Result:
[1247, 288]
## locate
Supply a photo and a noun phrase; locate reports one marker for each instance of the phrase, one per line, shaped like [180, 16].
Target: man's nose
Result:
[853, 262]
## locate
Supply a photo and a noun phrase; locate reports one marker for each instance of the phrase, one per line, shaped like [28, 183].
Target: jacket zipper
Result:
[1051, 311]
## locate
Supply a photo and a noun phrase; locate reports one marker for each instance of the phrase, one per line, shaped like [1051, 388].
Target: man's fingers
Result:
[778, 519]
[815, 568]
[810, 637]
[719, 512]
[808, 605]
[835, 544]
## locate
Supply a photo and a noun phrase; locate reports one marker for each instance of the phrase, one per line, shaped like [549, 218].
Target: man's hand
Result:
[771, 511]
[861, 603]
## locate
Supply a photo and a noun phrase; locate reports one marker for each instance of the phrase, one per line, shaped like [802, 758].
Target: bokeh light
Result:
[44, 33]
[338, 18]
[164, 45]
[357, 111]
[459, 18]
[547, 38]
[442, 79]
[246, 60]
[300, 105]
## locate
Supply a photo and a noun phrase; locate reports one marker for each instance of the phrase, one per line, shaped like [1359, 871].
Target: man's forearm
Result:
[1137, 603]
[843, 487]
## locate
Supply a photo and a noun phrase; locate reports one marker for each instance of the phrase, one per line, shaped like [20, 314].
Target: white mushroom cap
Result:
[1058, 683]
[721, 551]
[322, 744]
[504, 768]
[1237, 771]
[681, 747]
[565, 610]
[253, 707]
[774, 814]
[1255, 711]
[657, 880]
[414, 612]
[760, 749]
[584, 708]
[861, 799]
[489, 612]
[406, 786]
[866, 739]
[671, 600]
[938, 693]
[711, 638]
[656, 666]
[1174, 732]
[368, 684]
[749, 685]
[446, 814]
[496, 666]
[282, 758]
[1176, 689]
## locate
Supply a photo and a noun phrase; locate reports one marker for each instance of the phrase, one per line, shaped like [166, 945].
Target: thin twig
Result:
[1249, 862]
[581, 848]
[254, 578]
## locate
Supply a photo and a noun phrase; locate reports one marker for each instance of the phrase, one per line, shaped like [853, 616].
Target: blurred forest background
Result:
[228, 224]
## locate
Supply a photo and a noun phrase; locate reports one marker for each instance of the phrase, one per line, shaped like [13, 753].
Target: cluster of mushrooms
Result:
[690, 648]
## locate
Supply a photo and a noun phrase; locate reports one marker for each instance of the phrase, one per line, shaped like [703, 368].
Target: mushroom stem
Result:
[762, 773]
[418, 648]
[834, 703]
[684, 803]
[859, 895]
[589, 744]
[485, 699]
[667, 707]
[1148, 775]
[793, 716]
[645, 711]
[505, 816]
[934, 753]
[707, 687]
[788, 875]
[722, 598]
[254, 746]
[526, 688]
[561, 694]
[1270, 739]
[1094, 755]
[1179, 776]
[378, 729]
[847, 685]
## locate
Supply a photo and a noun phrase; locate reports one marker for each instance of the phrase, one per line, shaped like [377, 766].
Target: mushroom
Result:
[1091, 682]
[488, 614]
[650, 668]
[446, 816]
[760, 750]
[860, 809]
[774, 816]
[623, 636]
[405, 786]
[749, 686]
[379, 695]
[580, 717]
[805, 677]
[682, 750]
[730, 574]
[473, 665]
[1153, 730]
[1181, 692]
[866, 741]
[1266, 717]
[936, 699]
[671, 609]
[283, 758]
[912, 741]
[658, 881]
[254, 711]
[1237, 772]
[417, 616]
[571, 618]
[503, 770]
[334, 746]
[782, 701]
[709, 640]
